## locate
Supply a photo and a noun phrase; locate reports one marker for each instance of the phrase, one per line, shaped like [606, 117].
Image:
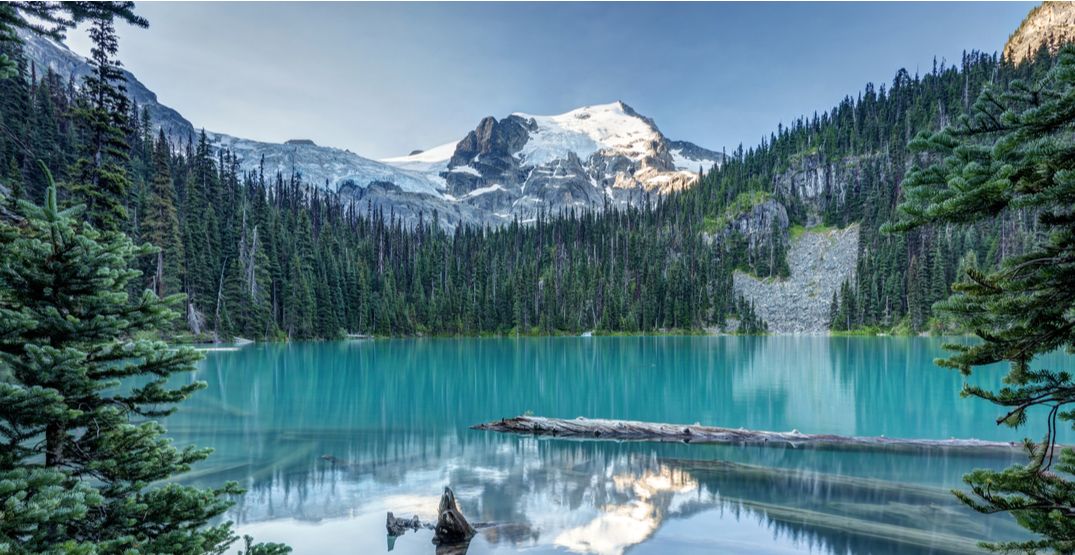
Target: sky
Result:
[382, 79]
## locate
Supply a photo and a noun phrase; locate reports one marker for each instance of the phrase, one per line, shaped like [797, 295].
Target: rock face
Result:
[819, 262]
[1052, 24]
[47, 53]
[814, 185]
[813, 189]
[408, 206]
[759, 224]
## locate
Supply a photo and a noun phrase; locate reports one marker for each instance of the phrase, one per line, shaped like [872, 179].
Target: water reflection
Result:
[604, 499]
[328, 437]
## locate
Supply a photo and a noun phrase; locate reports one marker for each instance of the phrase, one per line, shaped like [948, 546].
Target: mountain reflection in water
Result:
[329, 437]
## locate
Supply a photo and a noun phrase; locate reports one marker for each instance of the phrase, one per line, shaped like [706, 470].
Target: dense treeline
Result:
[1013, 150]
[864, 142]
[267, 255]
[84, 464]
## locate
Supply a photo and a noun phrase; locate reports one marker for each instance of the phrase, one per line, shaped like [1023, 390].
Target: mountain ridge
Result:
[429, 181]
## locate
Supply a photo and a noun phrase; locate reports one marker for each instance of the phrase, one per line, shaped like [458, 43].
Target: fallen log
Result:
[631, 430]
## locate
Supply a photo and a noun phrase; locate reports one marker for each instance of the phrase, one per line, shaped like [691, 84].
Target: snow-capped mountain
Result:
[524, 164]
[516, 167]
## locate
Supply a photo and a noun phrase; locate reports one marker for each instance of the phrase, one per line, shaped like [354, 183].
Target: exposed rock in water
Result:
[819, 262]
[1052, 24]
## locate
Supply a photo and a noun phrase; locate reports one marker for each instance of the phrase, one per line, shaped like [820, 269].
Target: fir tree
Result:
[160, 226]
[1014, 153]
[69, 335]
[53, 19]
[102, 112]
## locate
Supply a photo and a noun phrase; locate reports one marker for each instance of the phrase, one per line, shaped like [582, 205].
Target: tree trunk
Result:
[54, 439]
[628, 430]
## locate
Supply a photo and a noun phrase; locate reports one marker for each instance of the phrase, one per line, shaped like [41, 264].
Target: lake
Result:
[327, 437]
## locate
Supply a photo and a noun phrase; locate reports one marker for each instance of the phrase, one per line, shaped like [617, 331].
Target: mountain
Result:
[523, 164]
[319, 165]
[47, 53]
[1052, 24]
[516, 167]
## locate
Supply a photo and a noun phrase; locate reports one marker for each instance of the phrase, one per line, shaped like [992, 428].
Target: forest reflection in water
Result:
[393, 418]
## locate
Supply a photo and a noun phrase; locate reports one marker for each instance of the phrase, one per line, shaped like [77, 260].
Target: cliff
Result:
[1052, 24]
[820, 261]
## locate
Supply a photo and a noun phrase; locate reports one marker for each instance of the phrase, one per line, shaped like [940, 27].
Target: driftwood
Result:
[451, 532]
[400, 526]
[629, 430]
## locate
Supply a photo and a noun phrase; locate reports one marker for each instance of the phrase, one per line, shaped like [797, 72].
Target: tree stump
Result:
[451, 532]
[452, 527]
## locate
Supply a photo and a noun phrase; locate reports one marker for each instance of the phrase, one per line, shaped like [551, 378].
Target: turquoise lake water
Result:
[327, 437]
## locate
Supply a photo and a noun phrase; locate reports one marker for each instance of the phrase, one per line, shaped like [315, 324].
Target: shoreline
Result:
[209, 345]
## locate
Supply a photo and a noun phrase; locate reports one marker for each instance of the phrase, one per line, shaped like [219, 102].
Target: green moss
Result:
[796, 231]
[902, 328]
[743, 203]
[863, 331]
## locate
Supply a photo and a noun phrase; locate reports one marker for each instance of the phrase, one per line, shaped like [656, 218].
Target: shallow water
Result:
[327, 437]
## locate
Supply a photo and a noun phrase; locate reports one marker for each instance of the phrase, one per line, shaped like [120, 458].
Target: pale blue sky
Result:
[383, 79]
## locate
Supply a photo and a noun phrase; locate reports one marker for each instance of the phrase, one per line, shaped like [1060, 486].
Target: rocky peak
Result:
[491, 137]
[1052, 24]
[584, 159]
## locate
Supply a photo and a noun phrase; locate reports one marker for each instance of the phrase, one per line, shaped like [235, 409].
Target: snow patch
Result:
[682, 162]
[434, 160]
[586, 131]
[483, 190]
[467, 170]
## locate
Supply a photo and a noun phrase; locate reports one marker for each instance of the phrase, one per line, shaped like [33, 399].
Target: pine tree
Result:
[53, 19]
[1013, 153]
[69, 334]
[102, 113]
[160, 225]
